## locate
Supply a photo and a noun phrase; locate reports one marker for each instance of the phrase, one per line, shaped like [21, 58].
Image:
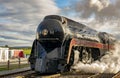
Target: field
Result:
[14, 64]
[27, 51]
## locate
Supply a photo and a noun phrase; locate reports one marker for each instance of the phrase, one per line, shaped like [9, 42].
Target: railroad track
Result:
[117, 75]
[32, 74]
[74, 75]
[17, 74]
[87, 75]
[90, 75]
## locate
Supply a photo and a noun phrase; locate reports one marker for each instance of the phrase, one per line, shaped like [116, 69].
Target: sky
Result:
[20, 18]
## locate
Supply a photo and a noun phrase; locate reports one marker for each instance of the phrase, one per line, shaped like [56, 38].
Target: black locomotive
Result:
[58, 38]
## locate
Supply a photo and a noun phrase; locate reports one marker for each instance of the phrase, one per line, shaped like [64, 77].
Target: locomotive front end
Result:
[46, 49]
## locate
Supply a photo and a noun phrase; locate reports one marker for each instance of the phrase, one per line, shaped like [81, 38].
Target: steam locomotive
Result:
[57, 40]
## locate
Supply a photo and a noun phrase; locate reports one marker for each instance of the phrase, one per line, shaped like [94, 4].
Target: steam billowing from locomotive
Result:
[109, 63]
[62, 44]
[100, 4]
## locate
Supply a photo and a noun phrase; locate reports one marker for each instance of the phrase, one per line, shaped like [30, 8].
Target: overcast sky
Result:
[20, 18]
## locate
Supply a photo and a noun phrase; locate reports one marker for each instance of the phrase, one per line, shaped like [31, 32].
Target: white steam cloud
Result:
[100, 4]
[110, 63]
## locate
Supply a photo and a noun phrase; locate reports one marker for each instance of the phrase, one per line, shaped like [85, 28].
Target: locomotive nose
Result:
[50, 29]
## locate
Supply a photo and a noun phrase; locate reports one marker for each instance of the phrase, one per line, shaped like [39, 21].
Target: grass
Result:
[27, 51]
[14, 66]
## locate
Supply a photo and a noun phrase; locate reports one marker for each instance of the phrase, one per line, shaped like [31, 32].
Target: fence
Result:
[14, 63]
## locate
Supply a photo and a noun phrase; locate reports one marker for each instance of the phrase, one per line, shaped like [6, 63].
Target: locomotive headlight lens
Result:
[44, 32]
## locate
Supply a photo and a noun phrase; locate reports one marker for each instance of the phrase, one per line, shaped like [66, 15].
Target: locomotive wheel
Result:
[86, 56]
[67, 68]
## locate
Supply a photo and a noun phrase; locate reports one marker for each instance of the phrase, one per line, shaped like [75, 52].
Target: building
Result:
[17, 53]
[4, 54]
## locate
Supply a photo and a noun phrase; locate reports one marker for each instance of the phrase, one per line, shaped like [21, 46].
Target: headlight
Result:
[44, 32]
